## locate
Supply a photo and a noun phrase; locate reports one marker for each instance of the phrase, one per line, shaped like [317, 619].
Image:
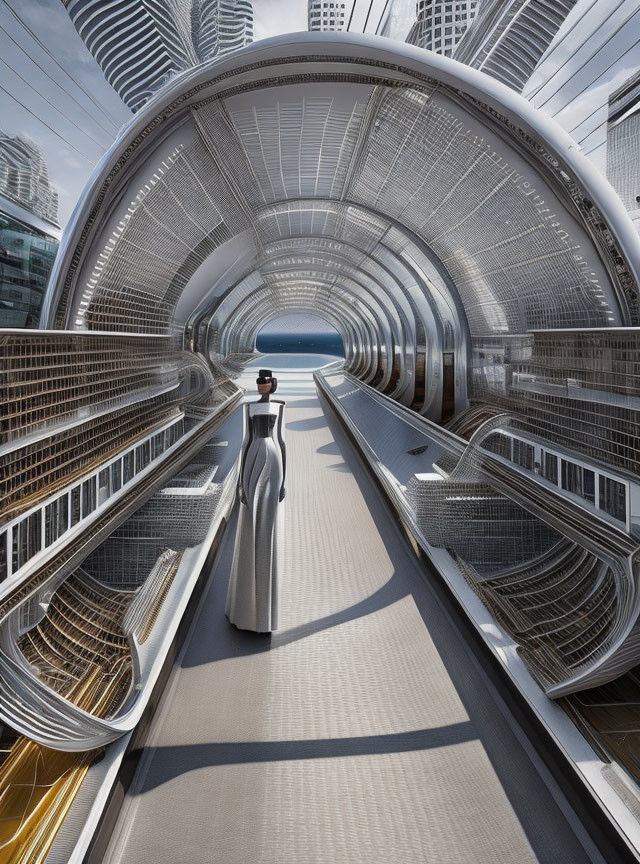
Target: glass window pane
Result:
[116, 480]
[128, 466]
[24, 546]
[143, 455]
[88, 496]
[550, 467]
[157, 445]
[613, 498]
[26, 258]
[3, 556]
[35, 533]
[75, 505]
[63, 514]
[15, 548]
[50, 523]
[589, 485]
[104, 485]
[572, 477]
[523, 454]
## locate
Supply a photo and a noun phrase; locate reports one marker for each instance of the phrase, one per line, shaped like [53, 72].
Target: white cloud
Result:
[273, 17]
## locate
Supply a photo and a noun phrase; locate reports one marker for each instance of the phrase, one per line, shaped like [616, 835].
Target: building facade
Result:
[26, 258]
[508, 39]
[587, 81]
[24, 177]
[325, 15]
[623, 145]
[441, 25]
[29, 232]
[163, 37]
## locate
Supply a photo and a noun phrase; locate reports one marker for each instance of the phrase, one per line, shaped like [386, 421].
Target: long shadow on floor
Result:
[227, 641]
[544, 824]
[330, 449]
[307, 424]
[173, 761]
[304, 403]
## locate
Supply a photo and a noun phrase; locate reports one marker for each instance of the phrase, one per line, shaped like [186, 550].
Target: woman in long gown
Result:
[252, 597]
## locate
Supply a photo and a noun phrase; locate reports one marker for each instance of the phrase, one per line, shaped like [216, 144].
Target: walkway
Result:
[363, 731]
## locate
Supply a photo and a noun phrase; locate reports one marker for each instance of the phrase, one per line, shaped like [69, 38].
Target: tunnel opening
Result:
[299, 334]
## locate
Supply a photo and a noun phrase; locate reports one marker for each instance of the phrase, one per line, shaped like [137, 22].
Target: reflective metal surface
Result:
[420, 195]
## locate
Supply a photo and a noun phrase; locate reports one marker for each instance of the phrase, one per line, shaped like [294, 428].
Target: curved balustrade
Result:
[78, 661]
[561, 579]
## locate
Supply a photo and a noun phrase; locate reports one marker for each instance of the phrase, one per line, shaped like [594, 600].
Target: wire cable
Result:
[64, 90]
[55, 108]
[50, 128]
[41, 44]
[353, 8]
[382, 17]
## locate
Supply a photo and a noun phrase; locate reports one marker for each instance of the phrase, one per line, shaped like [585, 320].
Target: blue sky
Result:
[53, 93]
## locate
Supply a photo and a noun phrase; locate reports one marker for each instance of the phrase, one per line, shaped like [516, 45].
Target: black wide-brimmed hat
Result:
[266, 375]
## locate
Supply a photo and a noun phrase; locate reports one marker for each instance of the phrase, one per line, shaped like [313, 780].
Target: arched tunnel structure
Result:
[419, 206]
[483, 277]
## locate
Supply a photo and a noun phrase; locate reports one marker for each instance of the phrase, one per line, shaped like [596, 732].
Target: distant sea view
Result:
[300, 343]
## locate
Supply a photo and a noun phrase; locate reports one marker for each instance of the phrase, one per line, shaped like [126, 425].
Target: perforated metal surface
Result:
[361, 731]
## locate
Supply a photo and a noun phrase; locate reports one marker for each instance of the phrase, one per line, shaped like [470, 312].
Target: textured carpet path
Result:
[363, 731]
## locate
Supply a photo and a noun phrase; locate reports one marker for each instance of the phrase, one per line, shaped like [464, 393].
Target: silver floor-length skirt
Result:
[252, 598]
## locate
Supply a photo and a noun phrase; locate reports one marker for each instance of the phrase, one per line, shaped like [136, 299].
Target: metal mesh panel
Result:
[561, 608]
[581, 390]
[49, 378]
[476, 523]
[301, 145]
[505, 234]
[81, 640]
[173, 225]
[166, 521]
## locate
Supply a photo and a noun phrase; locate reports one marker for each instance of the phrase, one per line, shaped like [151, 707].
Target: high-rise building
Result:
[441, 24]
[587, 81]
[325, 15]
[27, 252]
[139, 44]
[24, 177]
[507, 39]
[28, 231]
[234, 22]
[623, 145]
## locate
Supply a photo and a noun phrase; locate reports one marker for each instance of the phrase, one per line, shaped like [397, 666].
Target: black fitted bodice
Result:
[263, 425]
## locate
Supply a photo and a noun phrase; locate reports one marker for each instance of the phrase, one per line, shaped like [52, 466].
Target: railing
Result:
[71, 400]
[30, 701]
[32, 537]
[591, 639]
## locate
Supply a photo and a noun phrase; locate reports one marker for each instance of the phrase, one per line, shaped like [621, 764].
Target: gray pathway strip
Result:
[362, 731]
